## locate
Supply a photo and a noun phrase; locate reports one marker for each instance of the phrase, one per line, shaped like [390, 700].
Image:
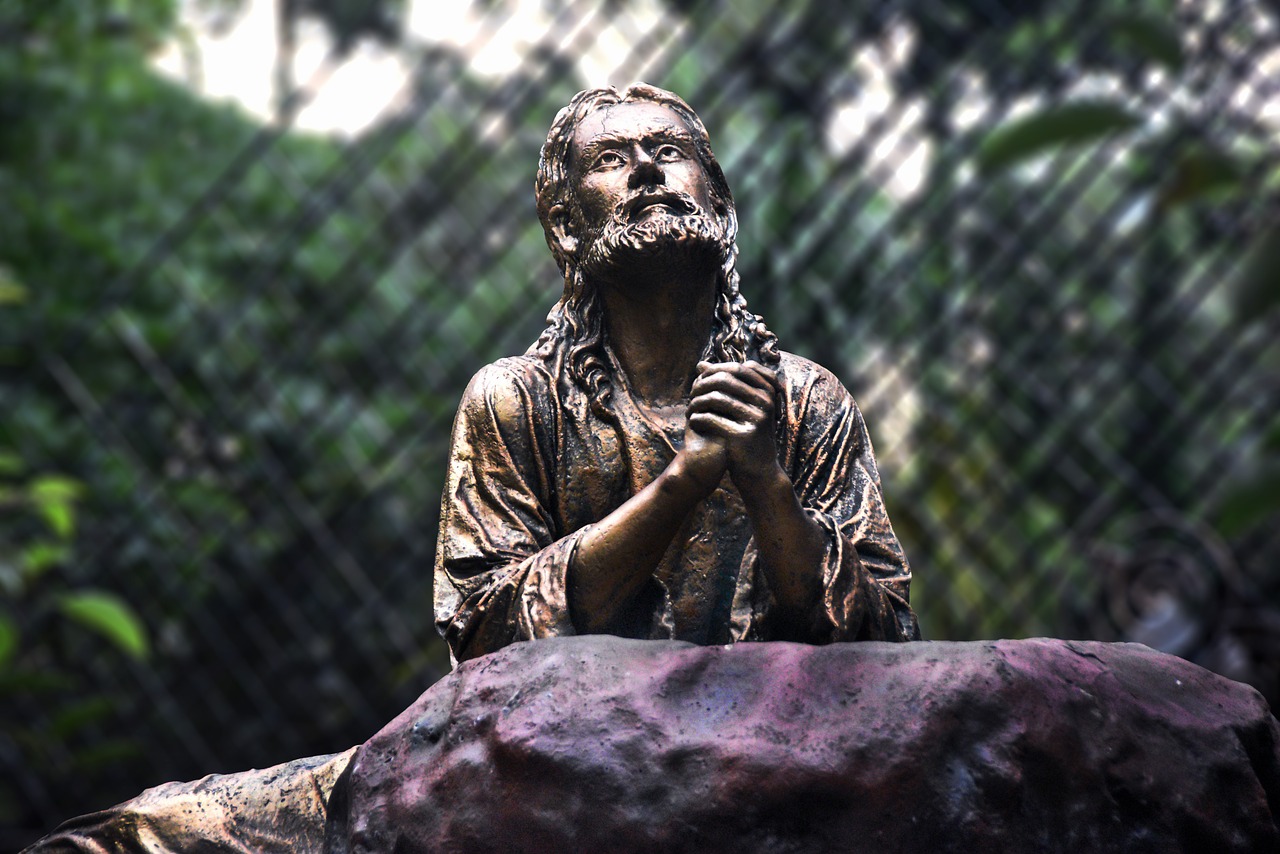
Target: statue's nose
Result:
[645, 171]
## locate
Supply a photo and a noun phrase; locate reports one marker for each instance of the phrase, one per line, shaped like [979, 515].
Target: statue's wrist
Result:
[680, 482]
[761, 480]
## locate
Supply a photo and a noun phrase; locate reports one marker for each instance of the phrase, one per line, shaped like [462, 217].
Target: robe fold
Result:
[532, 466]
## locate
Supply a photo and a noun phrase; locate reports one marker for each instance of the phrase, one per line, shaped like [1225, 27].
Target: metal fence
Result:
[1015, 230]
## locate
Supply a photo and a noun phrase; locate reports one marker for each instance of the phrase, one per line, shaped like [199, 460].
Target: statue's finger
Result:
[723, 404]
[767, 375]
[718, 425]
[734, 386]
[751, 372]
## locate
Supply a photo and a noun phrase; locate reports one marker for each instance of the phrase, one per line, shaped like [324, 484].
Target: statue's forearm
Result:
[736, 402]
[790, 543]
[620, 552]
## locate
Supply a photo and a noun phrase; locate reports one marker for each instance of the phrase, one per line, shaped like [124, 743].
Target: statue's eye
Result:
[609, 160]
[668, 154]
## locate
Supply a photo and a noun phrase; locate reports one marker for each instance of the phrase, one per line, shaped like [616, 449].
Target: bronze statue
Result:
[654, 466]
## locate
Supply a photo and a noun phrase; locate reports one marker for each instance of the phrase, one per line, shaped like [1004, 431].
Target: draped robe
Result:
[532, 467]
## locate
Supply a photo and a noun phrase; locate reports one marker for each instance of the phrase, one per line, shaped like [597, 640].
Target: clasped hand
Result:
[730, 423]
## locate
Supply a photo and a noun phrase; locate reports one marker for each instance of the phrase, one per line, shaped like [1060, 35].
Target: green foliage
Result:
[1200, 172]
[11, 292]
[68, 171]
[109, 616]
[76, 716]
[220, 410]
[1152, 37]
[35, 662]
[1254, 499]
[1178, 171]
[1050, 130]
[1257, 287]
[1028, 306]
[8, 640]
[54, 499]
[39, 557]
[30, 571]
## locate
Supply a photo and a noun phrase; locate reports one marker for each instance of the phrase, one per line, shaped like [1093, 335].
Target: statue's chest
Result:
[600, 465]
[666, 420]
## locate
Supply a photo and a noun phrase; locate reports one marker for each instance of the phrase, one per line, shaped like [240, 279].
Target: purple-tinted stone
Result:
[605, 744]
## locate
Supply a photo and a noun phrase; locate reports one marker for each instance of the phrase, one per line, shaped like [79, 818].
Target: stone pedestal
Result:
[605, 744]
[601, 744]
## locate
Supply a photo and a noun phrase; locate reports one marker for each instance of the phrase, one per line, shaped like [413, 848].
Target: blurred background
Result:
[252, 250]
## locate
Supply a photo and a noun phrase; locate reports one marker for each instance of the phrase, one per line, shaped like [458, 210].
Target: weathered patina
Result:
[654, 466]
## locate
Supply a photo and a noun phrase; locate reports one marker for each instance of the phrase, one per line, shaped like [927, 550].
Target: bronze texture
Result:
[654, 466]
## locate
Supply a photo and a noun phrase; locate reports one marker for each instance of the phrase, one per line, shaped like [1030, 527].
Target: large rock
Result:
[603, 744]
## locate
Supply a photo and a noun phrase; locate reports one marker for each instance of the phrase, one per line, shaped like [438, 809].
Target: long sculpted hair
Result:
[576, 323]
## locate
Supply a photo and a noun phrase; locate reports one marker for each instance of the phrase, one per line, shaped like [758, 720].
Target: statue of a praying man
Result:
[654, 466]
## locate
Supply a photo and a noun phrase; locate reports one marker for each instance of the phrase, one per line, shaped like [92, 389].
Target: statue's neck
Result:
[658, 331]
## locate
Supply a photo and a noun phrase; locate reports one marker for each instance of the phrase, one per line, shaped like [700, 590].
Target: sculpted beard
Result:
[679, 232]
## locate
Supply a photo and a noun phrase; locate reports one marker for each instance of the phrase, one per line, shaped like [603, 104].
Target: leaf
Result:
[59, 517]
[109, 616]
[1271, 441]
[1256, 289]
[76, 716]
[8, 640]
[1055, 127]
[54, 497]
[106, 754]
[53, 487]
[43, 681]
[12, 293]
[1154, 37]
[39, 557]
[11, 290]
[10, 463]
[1199, 172]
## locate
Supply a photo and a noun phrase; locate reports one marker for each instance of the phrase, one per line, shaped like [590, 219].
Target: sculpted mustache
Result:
[682, 203]
[619, 239]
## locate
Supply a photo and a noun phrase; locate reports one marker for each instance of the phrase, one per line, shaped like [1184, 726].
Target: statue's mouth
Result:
[638, 207]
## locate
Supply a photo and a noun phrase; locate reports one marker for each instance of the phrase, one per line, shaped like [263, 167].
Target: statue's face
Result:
[636, 161]
[641, 194]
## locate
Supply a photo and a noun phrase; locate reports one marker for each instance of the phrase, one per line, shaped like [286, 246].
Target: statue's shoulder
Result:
[817, 400]
[807, 376]
[508, 388]
[512, 373]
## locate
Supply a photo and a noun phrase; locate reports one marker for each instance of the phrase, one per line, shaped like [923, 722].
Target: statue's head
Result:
[675, 208]
[578, 235]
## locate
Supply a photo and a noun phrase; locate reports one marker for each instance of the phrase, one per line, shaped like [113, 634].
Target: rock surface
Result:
[605, 744]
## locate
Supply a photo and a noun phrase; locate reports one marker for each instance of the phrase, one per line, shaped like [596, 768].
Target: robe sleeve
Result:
[501, 570]
[865, 578]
